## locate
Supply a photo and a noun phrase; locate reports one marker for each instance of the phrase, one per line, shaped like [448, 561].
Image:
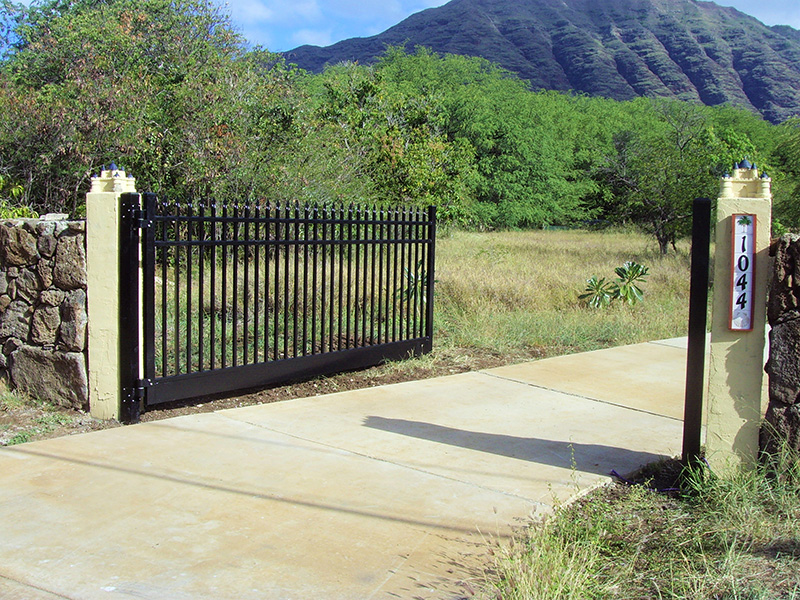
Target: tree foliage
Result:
[655, 171]
[161, 86]
[787, 157]
[168, 89]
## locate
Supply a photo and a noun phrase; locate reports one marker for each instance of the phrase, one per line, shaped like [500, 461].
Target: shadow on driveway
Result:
[589, 458]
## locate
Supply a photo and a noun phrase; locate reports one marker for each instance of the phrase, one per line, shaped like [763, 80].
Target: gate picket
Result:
[247, 297]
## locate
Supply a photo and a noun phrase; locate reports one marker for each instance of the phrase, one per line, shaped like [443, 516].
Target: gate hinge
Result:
[142, 222]
[139, 387]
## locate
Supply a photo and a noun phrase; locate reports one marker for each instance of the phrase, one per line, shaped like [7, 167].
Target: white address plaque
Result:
[742, 272]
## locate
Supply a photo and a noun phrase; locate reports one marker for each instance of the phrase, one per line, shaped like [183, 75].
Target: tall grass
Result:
[518, 292]
[736, 537]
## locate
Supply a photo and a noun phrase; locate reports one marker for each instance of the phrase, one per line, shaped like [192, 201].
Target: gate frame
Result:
[141, 387]
[130, 305]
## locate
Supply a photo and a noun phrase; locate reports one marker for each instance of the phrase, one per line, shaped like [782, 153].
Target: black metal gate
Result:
[235, 297]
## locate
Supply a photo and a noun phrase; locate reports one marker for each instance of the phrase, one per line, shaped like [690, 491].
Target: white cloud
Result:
[269, 12]
[365, 12]
[275, 24]
[248, 11]
[307, 9]
[313, 37]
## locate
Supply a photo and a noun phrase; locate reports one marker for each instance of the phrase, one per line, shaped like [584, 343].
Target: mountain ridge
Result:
[686, 49]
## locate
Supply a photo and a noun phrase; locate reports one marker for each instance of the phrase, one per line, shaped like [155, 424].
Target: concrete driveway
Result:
[391, 492]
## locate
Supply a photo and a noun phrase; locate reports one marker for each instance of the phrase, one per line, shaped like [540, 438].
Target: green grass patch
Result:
[20, 437]
[36, 427]
[717, 538]
[27, 418]
[10, 400]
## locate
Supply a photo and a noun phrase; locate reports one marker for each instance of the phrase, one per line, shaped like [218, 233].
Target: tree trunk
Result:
[663, 242]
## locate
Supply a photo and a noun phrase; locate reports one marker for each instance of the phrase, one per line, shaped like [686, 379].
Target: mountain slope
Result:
[620, 49]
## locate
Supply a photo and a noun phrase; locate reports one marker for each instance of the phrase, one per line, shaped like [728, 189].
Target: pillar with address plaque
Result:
[738, 329]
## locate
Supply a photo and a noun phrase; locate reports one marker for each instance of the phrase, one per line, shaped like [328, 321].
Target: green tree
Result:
[524, 169]
[163, 87]
[786, 206]
[387, 137]
[674, 156]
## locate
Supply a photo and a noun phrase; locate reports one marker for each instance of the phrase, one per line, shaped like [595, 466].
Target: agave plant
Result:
[630, 275]
[599, 292]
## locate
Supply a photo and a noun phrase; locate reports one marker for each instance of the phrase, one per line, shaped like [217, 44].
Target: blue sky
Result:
[282, 25]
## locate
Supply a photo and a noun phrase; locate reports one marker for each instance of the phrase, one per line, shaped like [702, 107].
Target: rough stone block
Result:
[12, 345]
[45, 227]
[58, 377]
[16, 320]
[52, 297]
[783, 428]
[47, 245]
[783, 311]
[73, 321]
[45, 271]
[17, 247]
[784, 356]
[44, 325]
[28, 286]
[54, 217]
[69, 272]
[784, 293]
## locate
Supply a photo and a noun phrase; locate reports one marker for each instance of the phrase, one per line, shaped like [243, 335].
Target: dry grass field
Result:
[516, 292]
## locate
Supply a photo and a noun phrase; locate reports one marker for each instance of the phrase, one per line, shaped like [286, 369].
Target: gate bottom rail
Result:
[232, 379]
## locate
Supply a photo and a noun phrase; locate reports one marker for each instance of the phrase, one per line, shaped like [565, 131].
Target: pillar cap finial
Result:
[113, 179]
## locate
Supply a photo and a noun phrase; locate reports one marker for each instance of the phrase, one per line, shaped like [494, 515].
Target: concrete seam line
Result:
[664, 344]
[35, 587]
[389, 462]
[574, 395]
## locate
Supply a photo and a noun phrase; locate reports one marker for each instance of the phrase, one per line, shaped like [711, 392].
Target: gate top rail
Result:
[291, 213]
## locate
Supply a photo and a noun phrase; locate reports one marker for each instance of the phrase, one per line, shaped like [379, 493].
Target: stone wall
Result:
[783, 367]
[43, 315]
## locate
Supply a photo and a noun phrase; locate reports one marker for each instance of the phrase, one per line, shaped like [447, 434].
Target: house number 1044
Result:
[742, 272]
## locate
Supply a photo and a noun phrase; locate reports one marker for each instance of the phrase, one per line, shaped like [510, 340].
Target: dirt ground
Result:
[30, 420]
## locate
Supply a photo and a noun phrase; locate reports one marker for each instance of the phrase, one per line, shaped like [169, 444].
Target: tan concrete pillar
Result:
[736, 370]
[102, 262]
